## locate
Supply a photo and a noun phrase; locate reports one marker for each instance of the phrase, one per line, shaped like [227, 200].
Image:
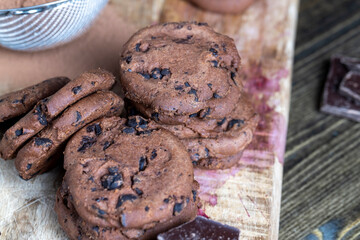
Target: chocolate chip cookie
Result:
[76, 228]
[47, 109]
[20, 102]
[128, 175]
[181, 69]
[217, 143]
[224, 6]
[32, 159]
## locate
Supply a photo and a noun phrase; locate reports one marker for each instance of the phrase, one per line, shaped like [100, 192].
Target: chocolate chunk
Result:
[214, 52]
[350, 85]
[155, 116]
[156, 73]
[96, 229]
[132, 123]
[178, 207]
[181, 41]
[217, 96]
[107, 144]
[210, 86]
[45, 142]
[124, 198]
[214, 63]
[147, 208]
[165, 72]
[333, 102]
[145, 75]
[207, 152]
[194, 92]
[187, 84]
[128, 59]
[179, 88]
[201, 228]
[137, 47]
[129, 130]
[153, 154]
[142, 163]
[19, 132]
[41, 116]
[204, 113]
[166, 200]
[233, 122]
[221, 122]
[142, 123]
[76, 90]
[193, 115]
[194, 192]
[28, 167]
[138, 191]
[112, 181]
[78, 116]
[86, 143]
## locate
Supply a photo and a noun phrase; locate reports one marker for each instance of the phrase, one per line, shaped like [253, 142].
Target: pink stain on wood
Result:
[201, 212]
[269, 137]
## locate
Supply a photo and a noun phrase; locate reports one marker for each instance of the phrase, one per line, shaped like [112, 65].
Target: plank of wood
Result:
[246, 196]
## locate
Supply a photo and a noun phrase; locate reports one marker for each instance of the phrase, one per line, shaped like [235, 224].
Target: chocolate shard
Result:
[333, 102]
[350, 85]
[201, 228]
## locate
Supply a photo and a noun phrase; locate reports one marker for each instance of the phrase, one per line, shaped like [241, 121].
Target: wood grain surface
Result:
[321, 185]
[246, 196]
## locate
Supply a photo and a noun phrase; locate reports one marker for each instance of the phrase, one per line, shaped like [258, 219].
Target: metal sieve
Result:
[47, 25]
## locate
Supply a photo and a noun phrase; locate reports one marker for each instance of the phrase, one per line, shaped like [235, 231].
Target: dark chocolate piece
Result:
[333, 102]
[350, 85]
[201, 228]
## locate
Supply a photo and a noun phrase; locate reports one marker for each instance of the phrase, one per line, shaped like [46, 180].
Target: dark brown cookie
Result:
[181, 69]
[129, 175]
[224, 6]
[217, 143]
[76, 228]
[46, 110]
[32, 159]
[20, 102]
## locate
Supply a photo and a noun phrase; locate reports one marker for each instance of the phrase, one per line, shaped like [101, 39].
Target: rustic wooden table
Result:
[321, 184]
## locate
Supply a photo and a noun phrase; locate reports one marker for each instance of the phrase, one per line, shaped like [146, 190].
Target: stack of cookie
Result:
[38, 138]
[185, 77]
[125, 180]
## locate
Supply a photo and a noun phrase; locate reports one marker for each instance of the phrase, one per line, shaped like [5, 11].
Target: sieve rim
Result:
[33, 9]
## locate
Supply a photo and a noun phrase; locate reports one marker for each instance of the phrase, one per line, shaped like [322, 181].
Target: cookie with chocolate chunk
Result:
[224, 6]
[181, 69]
[129, 175]
[47, 109]
[20, 102]
[77, 228]
[217, 143]
[32, 159]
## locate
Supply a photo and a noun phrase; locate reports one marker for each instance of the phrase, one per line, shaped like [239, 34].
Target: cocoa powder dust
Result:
[99, 47]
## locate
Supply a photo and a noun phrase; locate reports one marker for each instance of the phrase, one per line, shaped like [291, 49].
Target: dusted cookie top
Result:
[121, 173]
[181, 69]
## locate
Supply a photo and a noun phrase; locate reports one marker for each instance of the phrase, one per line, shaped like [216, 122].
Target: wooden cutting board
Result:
[246, 196]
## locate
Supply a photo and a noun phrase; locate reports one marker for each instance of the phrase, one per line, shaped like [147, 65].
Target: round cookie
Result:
[20, 102]
[77, 228]
[181, 69]
[224, 6]
[129, 176]
[33, 157]
[46, 110]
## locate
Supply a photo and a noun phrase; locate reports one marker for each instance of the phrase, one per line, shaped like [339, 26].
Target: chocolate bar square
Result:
[201, 228]
[333, 102]
[350, 85]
